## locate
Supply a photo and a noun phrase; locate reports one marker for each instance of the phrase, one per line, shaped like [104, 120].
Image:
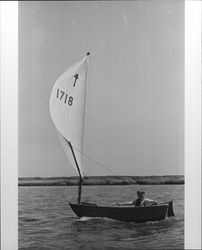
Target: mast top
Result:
[88, 53]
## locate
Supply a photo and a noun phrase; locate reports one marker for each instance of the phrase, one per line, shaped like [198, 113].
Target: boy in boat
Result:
[140, 201]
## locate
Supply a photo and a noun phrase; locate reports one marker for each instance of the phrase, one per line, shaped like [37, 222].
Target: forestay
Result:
[67, 109]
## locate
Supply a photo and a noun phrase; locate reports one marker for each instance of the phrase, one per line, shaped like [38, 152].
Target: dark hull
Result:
[128, 214]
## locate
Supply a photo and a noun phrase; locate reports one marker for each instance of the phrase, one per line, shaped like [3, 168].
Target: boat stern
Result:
[170, 212]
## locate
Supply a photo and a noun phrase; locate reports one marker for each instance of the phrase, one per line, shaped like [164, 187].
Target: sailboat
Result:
[67, 109]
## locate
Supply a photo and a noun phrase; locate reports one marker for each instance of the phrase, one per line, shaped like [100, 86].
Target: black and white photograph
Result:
[101, 125]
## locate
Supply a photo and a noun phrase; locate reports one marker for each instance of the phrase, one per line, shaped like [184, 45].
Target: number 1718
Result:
[61, 95]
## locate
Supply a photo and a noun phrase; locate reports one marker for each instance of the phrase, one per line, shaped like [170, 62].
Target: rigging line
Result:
[101, 165]
[90, 158]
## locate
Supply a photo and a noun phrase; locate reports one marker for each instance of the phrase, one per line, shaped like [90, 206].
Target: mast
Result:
[74, 156]
[80, 176]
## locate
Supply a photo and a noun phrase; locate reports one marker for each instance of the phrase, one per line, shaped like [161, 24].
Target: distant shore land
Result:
[102, 180]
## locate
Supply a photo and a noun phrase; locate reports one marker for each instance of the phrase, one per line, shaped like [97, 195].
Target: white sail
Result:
[67, 109]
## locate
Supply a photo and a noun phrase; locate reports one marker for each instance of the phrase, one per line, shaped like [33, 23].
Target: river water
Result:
[47, 222]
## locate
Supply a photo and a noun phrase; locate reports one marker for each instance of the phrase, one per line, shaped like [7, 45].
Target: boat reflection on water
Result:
[155, 235]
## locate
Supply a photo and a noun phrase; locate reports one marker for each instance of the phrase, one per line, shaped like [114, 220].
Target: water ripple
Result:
[47, 222]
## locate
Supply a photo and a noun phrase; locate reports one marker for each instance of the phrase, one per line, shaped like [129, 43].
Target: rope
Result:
[99, 164]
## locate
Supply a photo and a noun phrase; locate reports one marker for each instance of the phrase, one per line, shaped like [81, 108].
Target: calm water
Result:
[47, 222]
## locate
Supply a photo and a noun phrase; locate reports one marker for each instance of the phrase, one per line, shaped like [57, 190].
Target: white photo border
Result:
[193, 124]
[9, 124]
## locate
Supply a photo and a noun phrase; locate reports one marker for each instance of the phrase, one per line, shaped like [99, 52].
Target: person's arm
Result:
[128, 203]
[153, 203]
[149, 202]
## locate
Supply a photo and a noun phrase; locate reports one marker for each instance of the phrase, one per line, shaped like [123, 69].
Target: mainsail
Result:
[67, 109]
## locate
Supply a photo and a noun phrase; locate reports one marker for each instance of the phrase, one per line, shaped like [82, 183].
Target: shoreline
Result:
[102, 180]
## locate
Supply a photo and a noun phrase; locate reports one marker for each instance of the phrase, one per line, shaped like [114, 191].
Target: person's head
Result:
[141, 194]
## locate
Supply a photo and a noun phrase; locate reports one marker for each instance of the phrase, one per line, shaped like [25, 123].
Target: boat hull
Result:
[122, 213]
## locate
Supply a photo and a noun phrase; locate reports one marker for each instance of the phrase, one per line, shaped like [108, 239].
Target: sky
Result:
[135, 94]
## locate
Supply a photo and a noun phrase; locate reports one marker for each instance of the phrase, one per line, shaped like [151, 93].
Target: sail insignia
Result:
[76, 77]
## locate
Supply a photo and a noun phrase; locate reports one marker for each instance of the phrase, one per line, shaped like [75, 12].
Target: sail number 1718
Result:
[61, 95]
